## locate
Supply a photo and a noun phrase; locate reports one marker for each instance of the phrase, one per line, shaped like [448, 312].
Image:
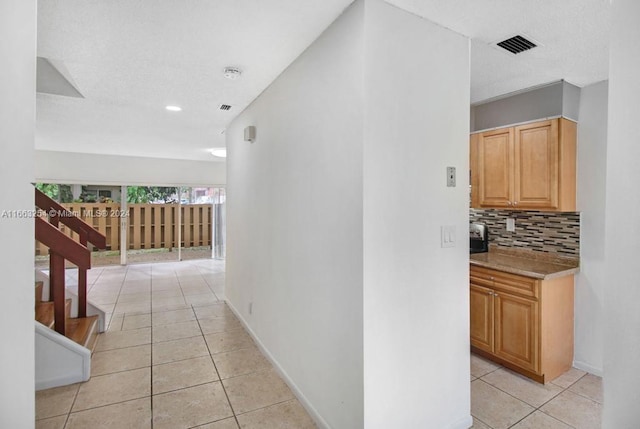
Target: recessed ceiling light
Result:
[173, 108]
[232, 73]
[220, 153]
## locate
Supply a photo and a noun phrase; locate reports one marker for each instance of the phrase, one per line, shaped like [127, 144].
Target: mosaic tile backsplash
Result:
[540, 231]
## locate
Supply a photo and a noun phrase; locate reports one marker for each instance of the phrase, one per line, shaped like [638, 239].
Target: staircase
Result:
[83, 331]
[64, 343]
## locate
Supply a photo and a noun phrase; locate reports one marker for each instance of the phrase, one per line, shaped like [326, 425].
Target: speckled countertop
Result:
[528, 263]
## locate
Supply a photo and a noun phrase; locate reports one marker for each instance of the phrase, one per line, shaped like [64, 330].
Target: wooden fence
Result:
[151, 226]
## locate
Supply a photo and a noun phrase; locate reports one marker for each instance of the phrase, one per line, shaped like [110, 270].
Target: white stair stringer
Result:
[59, 360]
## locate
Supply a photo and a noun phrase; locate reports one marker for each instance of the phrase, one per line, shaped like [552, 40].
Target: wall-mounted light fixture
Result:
[250, 133]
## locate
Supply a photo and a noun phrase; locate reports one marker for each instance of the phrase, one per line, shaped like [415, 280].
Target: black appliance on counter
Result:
[478, 237]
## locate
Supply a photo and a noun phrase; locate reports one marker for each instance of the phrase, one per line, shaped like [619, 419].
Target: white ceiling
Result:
[129, 59]
[574, 35]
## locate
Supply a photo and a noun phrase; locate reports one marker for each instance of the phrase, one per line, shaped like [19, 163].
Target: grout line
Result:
[585, 397]
[519, 399]
[125, 347]
[176, 339]
[75, 397]
[151, 345]
[113, 313]
[210, 423]
[557, 419]
[293, 398]
[224, 389]
[189, 387]
[181, 291]
[524, 417]
[537, 408]
[110, 404]
[481, 421]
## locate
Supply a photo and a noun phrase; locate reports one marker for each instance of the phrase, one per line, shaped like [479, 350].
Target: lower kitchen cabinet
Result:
[481, 301]
[523, 323]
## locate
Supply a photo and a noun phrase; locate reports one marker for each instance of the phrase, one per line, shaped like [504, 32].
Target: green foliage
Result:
[148, 194]
[60, 193]
[137, 195]
[88, 198]
[49, 189]
[66, 195]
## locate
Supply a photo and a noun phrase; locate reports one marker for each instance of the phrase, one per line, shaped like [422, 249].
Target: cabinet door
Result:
[481, 303]
[516, 330]
[536, 165]
[495, 172]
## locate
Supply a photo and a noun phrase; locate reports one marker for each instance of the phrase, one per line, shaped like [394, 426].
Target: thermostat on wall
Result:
[250, 133]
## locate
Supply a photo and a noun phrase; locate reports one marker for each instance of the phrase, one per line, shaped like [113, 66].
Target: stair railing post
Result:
[82, 281]
[53, 220]
[56, 276]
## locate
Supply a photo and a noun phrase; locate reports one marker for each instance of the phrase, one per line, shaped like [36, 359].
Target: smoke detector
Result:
[232, 73]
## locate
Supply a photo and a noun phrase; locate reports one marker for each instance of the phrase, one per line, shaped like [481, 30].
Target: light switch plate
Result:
[451, 177]
[511, 224]
[448, 236]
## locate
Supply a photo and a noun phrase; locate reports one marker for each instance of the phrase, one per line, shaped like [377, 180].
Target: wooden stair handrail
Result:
[61, 214]
[63, 245]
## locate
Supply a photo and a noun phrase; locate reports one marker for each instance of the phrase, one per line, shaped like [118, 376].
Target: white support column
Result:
[76, 190]
[124, 226]
[179, 223]
[213, 229]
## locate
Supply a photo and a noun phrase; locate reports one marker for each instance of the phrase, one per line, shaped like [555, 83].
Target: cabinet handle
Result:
[490, 278]
[495, 294]
[508, 203]
[490, 293]
[515, 203]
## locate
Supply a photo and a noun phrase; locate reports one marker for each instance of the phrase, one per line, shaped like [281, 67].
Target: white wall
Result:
[17, 122]
[85, 168]
[416, 294]
[591, 281]
[294, 221]
[622, 247]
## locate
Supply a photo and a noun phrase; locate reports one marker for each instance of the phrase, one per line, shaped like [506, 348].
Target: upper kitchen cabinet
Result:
[527, 167]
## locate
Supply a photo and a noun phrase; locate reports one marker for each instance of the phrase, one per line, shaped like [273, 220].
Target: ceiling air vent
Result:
[517, 44]
[225, 107]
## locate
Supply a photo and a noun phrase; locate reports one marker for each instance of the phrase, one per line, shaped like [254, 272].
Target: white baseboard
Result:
[589, 368]
[320, 422]
[64, 380]
[463, 423]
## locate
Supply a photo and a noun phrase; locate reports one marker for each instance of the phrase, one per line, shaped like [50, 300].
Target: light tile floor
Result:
[174, 356]
[502, 399]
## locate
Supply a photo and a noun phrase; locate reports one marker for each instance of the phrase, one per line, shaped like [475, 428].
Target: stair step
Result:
[45, 312]
[83, 330]
[39, 286]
